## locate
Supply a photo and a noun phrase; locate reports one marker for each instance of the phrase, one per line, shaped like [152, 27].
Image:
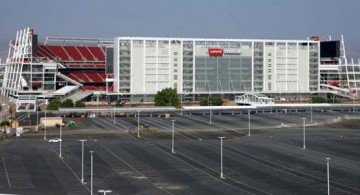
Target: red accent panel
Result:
[216, 52]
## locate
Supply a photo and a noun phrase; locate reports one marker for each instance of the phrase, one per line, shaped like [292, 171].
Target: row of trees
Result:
[56, 103]
[323, 100]
[169, 97]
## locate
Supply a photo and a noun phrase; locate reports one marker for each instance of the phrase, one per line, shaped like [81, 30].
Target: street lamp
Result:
[249, 134]
[304, 132]
[210, 113]
[221, 156]
[328, 175]
[181, 104]
[60, 139]
[104, 191]
[82, 160]
[173, 134]
[37, 116]
[45, 126]
[91, 173]
[354, 103]
[138, 130]
[114, 113]
[311, 114]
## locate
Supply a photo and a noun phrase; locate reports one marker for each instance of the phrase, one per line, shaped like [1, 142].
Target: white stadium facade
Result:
[136, 68]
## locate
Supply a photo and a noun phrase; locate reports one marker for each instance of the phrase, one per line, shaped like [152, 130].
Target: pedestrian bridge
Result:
[253, 99]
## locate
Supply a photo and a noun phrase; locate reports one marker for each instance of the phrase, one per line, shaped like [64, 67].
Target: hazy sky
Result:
[280, 19]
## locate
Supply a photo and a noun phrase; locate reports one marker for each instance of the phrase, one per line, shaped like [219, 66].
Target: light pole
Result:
[138, 130]
[354, 103]
[114, 113]
[82, 160]
[210, 113]
[91, 173]
[181, 98]
[104, 191]
[328, 175]
[173, 134]
[249, 134]
[45, 126]
[221, 156]
[304, 132]
[60, 139]
[311, 114]
[37, 116]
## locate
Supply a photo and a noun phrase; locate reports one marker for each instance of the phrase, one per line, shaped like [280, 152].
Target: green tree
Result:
[54, 104]
[318, 100]
[4, 124]
[204, 101]
[167, 97]
[79, 104]
[119, 104]
[67, 103]
[215, 101]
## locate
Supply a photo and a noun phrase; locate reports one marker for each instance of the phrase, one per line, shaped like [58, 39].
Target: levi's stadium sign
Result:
[215, 52]
[220, 52]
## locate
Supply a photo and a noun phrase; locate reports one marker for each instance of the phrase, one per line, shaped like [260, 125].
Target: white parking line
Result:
[133, 168]
[7, 175]
[62, 159]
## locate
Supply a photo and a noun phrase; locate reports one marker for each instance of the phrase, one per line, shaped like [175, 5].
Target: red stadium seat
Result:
[73, 52]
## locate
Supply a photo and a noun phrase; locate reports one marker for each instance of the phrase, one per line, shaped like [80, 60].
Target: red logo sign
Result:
[216, 52]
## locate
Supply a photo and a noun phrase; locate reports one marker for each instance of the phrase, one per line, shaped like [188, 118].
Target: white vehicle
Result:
[55, 140]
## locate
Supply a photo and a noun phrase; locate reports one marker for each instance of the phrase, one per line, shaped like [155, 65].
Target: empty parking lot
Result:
[270, 161]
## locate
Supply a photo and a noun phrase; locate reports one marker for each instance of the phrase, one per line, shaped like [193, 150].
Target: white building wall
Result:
[303, 68]
[156, 64]
[138, 68]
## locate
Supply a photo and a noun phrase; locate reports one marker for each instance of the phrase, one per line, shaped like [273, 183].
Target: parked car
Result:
[55, 140]
[63, 124]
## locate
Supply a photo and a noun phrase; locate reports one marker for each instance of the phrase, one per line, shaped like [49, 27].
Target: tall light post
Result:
[328, 175]
[138, 130]
[173, 134]
[37, 115]
[114, 113]
[104, 191]
[249, 134]
[60, 139]
[311, 114]
[45, 126]
[304, 133]
[82, 160]
[354, 103]
[181, 104]
[91, 173]
[210, 122]
[221, 156]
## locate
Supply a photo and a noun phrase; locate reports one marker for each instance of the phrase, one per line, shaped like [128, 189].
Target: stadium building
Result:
[215, 66]
[135, 68]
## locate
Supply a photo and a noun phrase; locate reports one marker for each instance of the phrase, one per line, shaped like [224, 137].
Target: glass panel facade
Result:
[188, 52]
[313, 66]
[124, 69]
[223, 74]
[229, 72]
